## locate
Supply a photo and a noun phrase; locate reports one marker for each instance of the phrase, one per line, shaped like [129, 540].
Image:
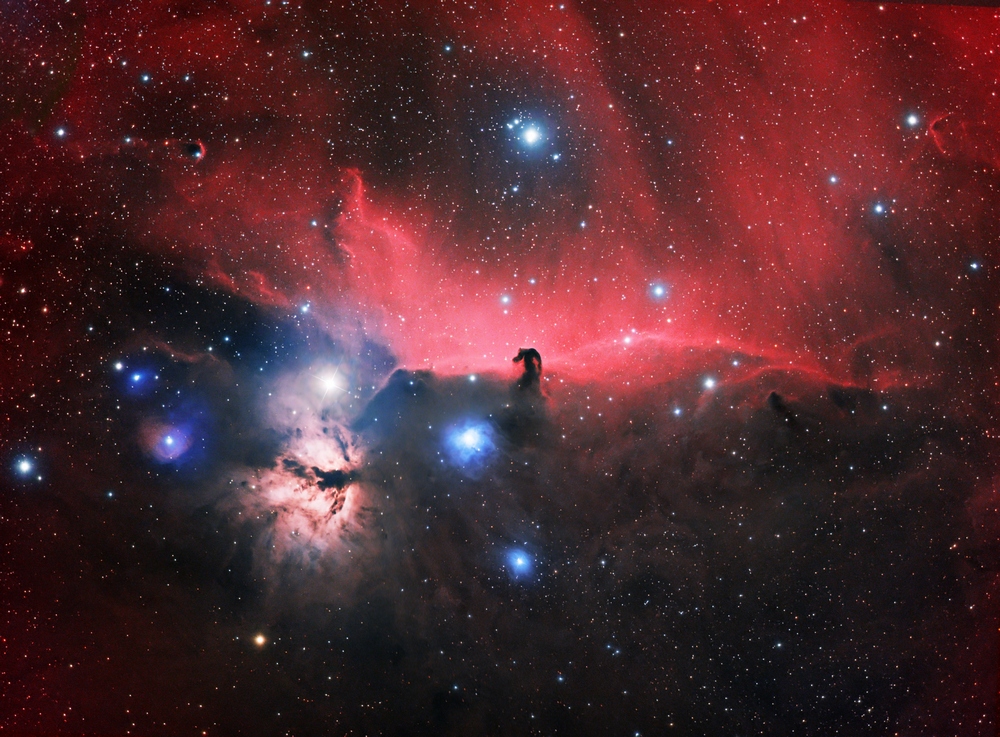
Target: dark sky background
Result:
[266, 465]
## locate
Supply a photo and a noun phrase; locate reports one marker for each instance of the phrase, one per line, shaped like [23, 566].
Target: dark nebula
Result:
[266, 465]
[531, 377]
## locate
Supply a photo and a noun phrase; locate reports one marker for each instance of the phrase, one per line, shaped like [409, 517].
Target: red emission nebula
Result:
[266, 466]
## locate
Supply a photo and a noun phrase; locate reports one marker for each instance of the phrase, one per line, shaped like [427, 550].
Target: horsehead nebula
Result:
[269, 466]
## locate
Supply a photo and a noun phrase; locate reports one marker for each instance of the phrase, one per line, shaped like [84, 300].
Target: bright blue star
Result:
[658, 291]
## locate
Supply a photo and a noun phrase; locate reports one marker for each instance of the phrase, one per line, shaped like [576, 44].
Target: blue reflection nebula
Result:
[136, 381]
[471, 444]
[519, 563]
[173, 442]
